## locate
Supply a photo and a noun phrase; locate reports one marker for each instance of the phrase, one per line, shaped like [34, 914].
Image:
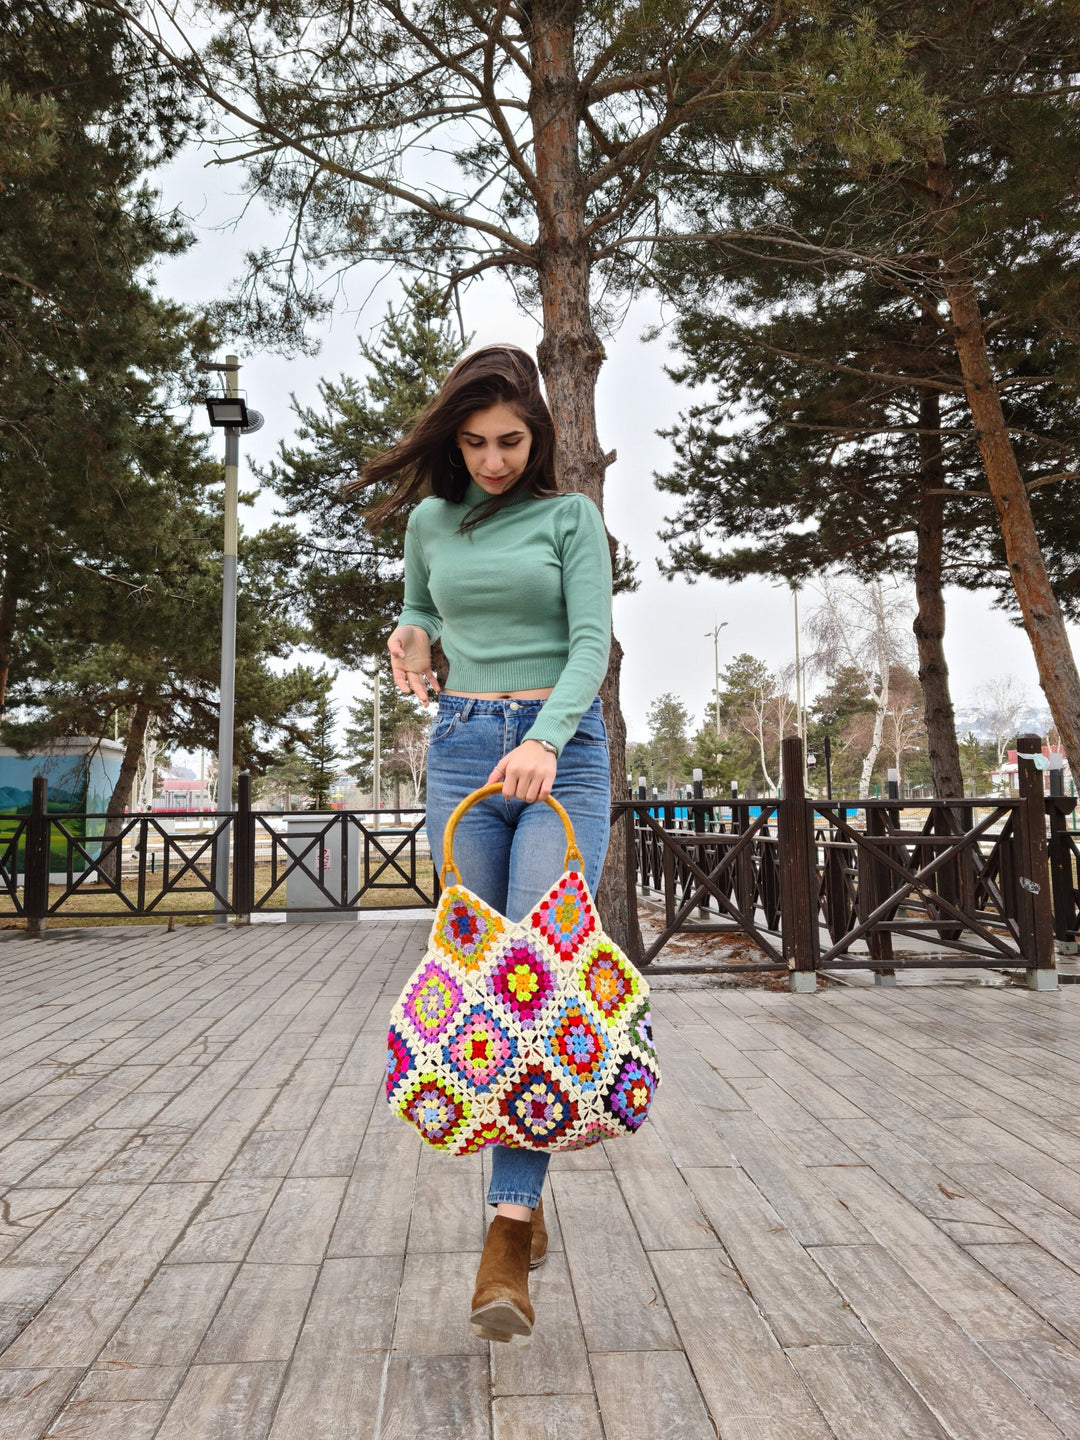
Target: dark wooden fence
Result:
[973, 882]
[968, 885]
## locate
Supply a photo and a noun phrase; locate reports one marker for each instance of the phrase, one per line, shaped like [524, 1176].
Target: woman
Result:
[514, 577]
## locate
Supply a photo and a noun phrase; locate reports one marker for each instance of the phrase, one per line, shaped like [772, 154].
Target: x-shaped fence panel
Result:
[900, 868]
[11, 848]
[343, 860]
[95, 866]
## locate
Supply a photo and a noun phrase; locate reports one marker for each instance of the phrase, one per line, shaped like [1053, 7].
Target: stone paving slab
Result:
[855, 1214]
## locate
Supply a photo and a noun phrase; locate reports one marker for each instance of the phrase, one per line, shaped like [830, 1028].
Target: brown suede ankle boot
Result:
[538, 1248]
[500, 1303]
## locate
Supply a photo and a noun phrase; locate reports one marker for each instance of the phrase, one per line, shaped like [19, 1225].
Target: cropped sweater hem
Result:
[496, 676]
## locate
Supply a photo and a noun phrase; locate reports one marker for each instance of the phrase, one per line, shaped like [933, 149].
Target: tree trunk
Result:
[929, 625]
[9, 605]
[870, 758]
[570, 356]
[1043, 620]
[120, 798]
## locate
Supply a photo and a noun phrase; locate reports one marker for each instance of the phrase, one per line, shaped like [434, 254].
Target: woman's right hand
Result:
[410, 661]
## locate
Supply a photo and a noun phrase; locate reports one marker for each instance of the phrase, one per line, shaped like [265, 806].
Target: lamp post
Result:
[715, 633]
[228, 412]
[376, 757]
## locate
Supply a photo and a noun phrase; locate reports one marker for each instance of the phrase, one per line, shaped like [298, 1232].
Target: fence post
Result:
[36, 859]
[798, 872]
[876, 881]
[243, 873]
[1035, 913]
[1063, 887]
[632, 862]
[699, 831]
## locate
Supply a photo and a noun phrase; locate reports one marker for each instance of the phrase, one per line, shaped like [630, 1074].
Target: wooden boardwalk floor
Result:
[856, 1214]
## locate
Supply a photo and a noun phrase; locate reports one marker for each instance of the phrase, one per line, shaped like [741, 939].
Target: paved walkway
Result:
[856, 1215]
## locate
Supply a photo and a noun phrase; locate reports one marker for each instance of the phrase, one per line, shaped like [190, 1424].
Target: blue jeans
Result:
[509, 853]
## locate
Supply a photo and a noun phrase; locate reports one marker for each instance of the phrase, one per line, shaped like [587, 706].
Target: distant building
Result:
[175, 793]
[1005, 781]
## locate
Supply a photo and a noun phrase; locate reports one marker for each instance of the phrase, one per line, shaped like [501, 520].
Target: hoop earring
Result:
[458, 464]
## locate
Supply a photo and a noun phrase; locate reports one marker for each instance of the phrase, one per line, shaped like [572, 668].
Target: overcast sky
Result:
[665, 627]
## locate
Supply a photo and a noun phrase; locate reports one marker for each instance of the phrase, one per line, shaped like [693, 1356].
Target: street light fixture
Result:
[226, 410]
[715, 633]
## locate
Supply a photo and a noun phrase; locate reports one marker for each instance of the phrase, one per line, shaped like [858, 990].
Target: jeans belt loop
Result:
[467, 711]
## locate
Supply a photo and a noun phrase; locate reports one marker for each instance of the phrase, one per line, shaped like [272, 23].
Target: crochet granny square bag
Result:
[533, 1035]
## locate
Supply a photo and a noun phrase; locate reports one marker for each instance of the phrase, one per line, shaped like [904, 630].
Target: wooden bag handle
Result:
[572, 851]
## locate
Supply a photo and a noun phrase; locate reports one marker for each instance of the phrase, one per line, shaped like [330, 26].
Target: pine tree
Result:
[893, 201]
[748, 695]
[89, 353]
[346, 581]
[669, 746]
[396, 711]
[545, 123]
[318, 753]
[841, 712]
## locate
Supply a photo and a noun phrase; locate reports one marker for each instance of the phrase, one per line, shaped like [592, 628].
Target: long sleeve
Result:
[586, 582]
[419, 606]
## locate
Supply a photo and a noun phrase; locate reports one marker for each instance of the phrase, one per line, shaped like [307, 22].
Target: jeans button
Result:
[514, 705]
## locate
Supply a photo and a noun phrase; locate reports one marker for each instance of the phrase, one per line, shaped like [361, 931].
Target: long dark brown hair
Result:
[427, 459]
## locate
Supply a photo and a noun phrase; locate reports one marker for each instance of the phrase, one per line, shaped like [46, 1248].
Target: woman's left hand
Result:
[528, 773]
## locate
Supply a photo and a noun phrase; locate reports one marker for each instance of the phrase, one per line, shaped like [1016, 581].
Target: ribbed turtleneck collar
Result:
[475, 496]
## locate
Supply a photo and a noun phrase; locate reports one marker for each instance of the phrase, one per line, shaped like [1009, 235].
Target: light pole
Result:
[376, 758]
[715, 633]
[228, 412]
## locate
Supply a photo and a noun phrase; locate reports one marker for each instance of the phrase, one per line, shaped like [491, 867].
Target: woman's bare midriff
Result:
[502, 694]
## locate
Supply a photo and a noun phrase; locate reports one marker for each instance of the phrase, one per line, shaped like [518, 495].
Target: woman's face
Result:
[495, 444]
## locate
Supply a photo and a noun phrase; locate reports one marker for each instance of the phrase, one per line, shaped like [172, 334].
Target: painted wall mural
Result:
[81, 774]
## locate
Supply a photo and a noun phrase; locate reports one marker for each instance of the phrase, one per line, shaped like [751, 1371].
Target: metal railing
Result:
[240, 863]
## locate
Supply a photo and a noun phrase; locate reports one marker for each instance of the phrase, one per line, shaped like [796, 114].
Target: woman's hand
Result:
[528, 772]
[410, 661]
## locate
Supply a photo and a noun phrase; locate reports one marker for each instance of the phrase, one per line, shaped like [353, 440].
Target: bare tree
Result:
[409, 754]
[146, 774]
[905, 720]
[1002, 705]
[868, 628]
[768, 717]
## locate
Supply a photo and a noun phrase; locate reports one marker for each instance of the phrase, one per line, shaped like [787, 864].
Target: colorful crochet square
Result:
[399, 1060]
[432, 1004]
[576, 1046]
[522, 982]
[437, 1110]
[630, 1094]
[481, 1138]
[480, 1050]
[592, 1135]
[538, 1109]
[608, 980]
[465, 929]
[565, 917]
[641, 1032]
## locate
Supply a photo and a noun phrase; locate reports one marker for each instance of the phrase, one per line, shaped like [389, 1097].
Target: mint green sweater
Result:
[523, 602]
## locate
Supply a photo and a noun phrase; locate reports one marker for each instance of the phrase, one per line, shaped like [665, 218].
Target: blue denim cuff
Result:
[512, 1197]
